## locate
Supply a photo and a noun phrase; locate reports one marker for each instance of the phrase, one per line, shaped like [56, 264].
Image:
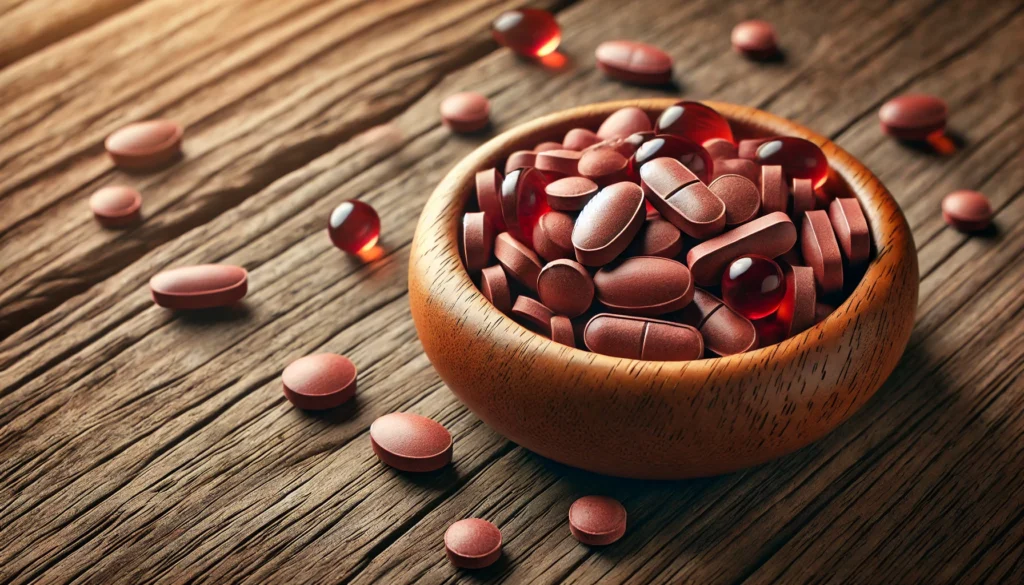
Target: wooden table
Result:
[140, 445]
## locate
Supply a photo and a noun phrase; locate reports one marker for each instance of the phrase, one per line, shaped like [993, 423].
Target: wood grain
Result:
[141, 446]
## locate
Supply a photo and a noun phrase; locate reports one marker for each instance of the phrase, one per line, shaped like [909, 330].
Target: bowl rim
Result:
[889, 230]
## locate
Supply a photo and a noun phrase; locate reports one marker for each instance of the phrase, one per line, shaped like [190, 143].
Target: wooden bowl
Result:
[660, 420]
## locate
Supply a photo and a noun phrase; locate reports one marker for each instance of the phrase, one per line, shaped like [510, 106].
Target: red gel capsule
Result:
[753, 286]
[354, 226]
[523, 201]
[529, 32]
[693, 121]
[799, 158]
[692, 155]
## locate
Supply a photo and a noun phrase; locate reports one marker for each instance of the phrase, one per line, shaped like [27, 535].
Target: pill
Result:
[529, 32]
[520, 159]
[692, 155]
[769, 235]
[532, 314]
[821, 311]
[747, 148]
[608, 223]
[634, 62]
[774, 194]
[644, 285]
[563, 162]
[693, 121]
[145, 145]
[597, 520]
[681, 198]
[579, 139]
[319, 381]
[642, 338]
[570, 193]
[967, 211]
[565, 287]
[851, 229]
[724, 331]
[755, 39]
[520, 263]
[472, 543]
[740, 196]
[354, 226]
[797, 310]
[552, 238]
[562, 331]
[738, 166]
[799, 158]
[604, 166]
[627, 146]
[721, 149]
[545, 146]
[821, 250]
[494, 286]
[488, 196]
[523, 202]
[410, 442]
[116, 205]
[467, 111]
[913, 116]
[753, 286]
[658, 237]
[621, 123]
[199, 287]
[803, 197]
[477, 241]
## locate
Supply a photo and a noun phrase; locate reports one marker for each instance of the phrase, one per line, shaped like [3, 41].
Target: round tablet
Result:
[755, 39]
[913, 116]
[494, 285]
[145, 145]
[116, 205]
[562, 331]
[204, 286]
[552, 238]
[566, 287]
[967, 211]
[570, 193]
[477, 241]
[410, 442]
[624, 122]
[320, 381]
[466, 112]
[472, 543]
[741, 197]
[519, 262]
[597, 520]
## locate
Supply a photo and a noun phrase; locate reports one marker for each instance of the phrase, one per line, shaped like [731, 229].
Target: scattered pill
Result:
[570, 193]
[597, 520]
[494, 286]
[562, 331]
[623, 123]
[529, 32]
[851, 229]
[472, 543]
[116, 206]
[740, 196]
[913, 116]
[753, 286]
[967, 211]
[644, 285]
[410, 442]
[466, 112]
[774, 194]
[519, 262]
[755, 39]
[799, 158]
[642, 338]
[199, 287]
[821, 250]
[552, 238]
[532, 314]
[693, 121]
[354, 226]
[608, 223]
[769, 235]
[145, 145]
[477, 241]
[488, 196]
[566, 287]
[319, 381]
[634, 62]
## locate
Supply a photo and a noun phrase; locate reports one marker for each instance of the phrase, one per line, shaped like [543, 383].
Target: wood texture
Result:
[141, 446]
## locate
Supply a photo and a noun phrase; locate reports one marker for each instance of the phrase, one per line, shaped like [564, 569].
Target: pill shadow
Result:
[488, 574]
[218, 315]
[941, 145]
[440, 480]
[337, 415]
[149, 170]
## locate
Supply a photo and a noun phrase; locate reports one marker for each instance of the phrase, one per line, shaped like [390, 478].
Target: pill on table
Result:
[851, 229]
[796, 312]
[552, 238]
[597, 520]
[774, 194]
[753, 286]
[658, 237]
[755, 39]
[116, 205]
[681, 198]
[724, 331]
[803, 197]
[608, 223]
[562, 331]
[520, 263]
[494, 286]
[145, 145]
[410, 442]
[354, 226]
[634, 62]
[532, 314]
[799, 158]
[603, 166]
[545, 146]
[738, 166]
[570, 193]
[529, 32]
[740, 196]
[199, 287]
[693, 121]
[721, 149]
[319, 381]
[820, 250]
[769, 235]
[565, 287]
[520, 159]
[488, 196]
[523, 202]
[967, 211]
[563, 162]
[579, 139]
[472, 543]
[467, 111]
[913, 116]
[642, 338]
[621, 123]
[477, 241]
[644, 285]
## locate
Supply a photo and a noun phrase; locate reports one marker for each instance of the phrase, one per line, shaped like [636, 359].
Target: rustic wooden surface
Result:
[142, 446]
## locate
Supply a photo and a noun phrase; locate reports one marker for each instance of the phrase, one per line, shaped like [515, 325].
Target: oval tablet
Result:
[319, 381]
[769, 235]
[545, 146]
[488, 196]
[145, 145]
[851, 229]
[597, 520]
[634, 62]
[740, 196]
[494, 286]
[477, 241]
[644, 285]
[566, 287]
[570, 193]
[755, 39]
[467, 111]
[472, 543]
[532, 314]
[519, 262]
[624, 122]
[774, 194]
[579, 139]
[642, 338]
[681, 198]
[564, 162]
[967, 211]
[562, 331]
[738, 166]
[410, 442]
[199, 287]
[820, 250]
[116, 205]
[608, 223]
[552, 238]
[913, 116]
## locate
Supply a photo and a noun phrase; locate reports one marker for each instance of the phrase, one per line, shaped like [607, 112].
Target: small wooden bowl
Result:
[660, 420]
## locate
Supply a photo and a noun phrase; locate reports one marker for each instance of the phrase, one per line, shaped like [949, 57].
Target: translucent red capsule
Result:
[523, 201]
[753, 286]
[693, 121]
[692, 155]
[354, 226]
[529, 32]
[799, 158]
